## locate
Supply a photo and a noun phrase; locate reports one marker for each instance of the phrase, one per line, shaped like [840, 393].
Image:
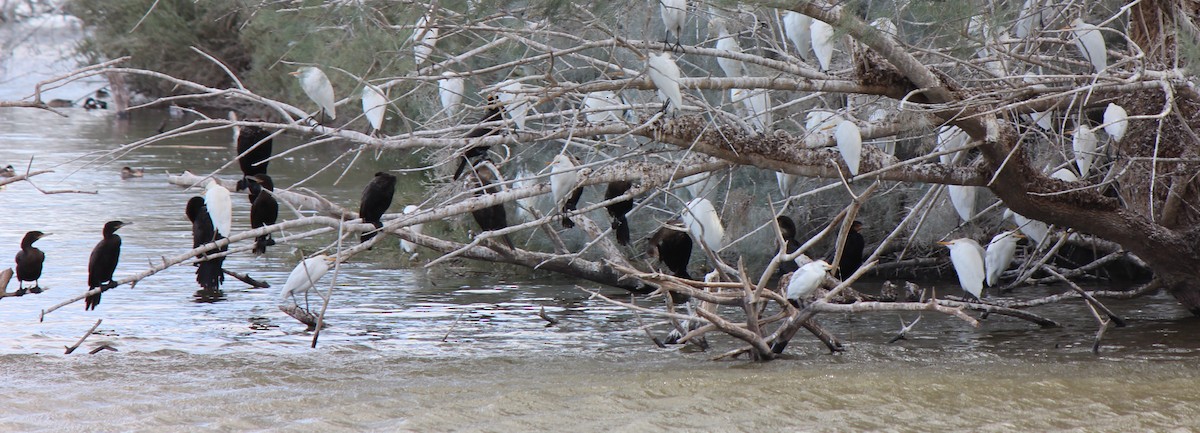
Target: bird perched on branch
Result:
[805, 281]
[674, 15]
[493, 112]
[318, 88]
[220, 206]
[407, 246]
[8, 171]
[665, 75]
[492, 217]
[999, 255]
[304, 277]
[967, 257]
[703, 222]
[450, 92]
[563, 178]
[618, 210]
[103, 263]
[787, 230]
[208, 272]
[673, 247]
[254, 147]
[374, 105]
[852, 251]
[264, 211]
[376, 199]
[29, 262]
[424, 38]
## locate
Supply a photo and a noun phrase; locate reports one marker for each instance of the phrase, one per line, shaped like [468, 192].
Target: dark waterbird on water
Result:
[264, 211]
[493, 113]
[376, 199]
[103, 263]
[254, 154]
[29, 262]
[130, 173]
[208, 272]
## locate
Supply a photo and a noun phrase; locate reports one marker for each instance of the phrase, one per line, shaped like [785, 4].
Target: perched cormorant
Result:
[103, 263]
[264, 211]
[618, 210]
[491, 217]
[852, 252]
[493, 113]
[29, 262]
[673, 246]
[787, 228]
[129, 173]
[208, 272]
[255, 159]
[376, 198]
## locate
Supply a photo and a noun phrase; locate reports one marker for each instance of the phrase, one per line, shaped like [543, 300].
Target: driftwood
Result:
[87, 334]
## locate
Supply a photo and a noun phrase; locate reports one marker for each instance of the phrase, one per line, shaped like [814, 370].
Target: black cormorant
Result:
[29, 262]
[376, 198]
[264, 211]
[129, 173]
[618, 210]
[491, 217]
[255, 160]
[787, 229]
[673, 246]
[852, 252]
[493, 113]
[208, 272]
[103, 263]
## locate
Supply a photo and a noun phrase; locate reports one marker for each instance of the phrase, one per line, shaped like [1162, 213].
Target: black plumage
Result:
[852, 252]
[787, 229]
[255, 159]
[103, 263]
[618, 210]
[569, 206]
[492, 217]
[673, 246]
[376, 199]
[264, 211]
[30, 261]
[208, 272]
[493, 113]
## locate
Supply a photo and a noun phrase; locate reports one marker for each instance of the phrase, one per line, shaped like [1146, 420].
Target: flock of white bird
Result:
[973, 264]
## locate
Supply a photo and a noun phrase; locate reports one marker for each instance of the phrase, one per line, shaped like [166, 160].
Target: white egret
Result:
[1084, 143]
[967, 257]
[822, 42]
[450, 91]
[1090, 43]
[1031, 19]
[600, 106]
[703, 222]
[999, 255]
[949, 138]
[1116, 121]
[374, 106]
[563, 177]
[517, 111]
[786, 183]
[849, 144]
[424, 37]
[797, 28]
[407, 246]
[731, 67]
[888, 146]
[304, 277]
[699, 183]
[220, 207]
[525, 205]
[886, 26]
[758, 107]
[1034, 229]
[806, 280]
[816, 120]
[963, 199]
[665, 75]
[674, 15]
[317, 87]
[1065, 174]
[1041, 118]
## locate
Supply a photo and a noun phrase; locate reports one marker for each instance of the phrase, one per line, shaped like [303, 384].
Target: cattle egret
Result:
[816, 120]
[407, 246]
[949, 138]
[797, 28]
[822, 43]
[450, 91]
[888, 146]
[374, 106]
[1033, 229]
[665, 75]
[786, 183]
[509, 95]
[731, 67]
[304, 277]
[317, 87]
[424, 37]
[967, 258]
[1084, 145]
[563, 178]
[1091, 43]
[600, 106]
[758, 107]
[806, 280]
[849, 144]
[1065, 174]
[885, 26]
[1116, 121]
[699, 183]
[704, 224]
[220, 207]
[963, 200]
[674, 14]
[999, 255]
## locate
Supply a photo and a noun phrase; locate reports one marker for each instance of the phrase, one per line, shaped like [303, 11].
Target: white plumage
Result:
[732, 68]
[786, 183]
[949, 138]
[563, 177]
[888, 146]
[822, 43]
[699, 183]
[665, 74]
[849, 144]
[967, 257]
[525, 205]
[450, 91]
[318, 88]
[424, 38]
[1084, 145]
[1033, 229]
[1116, 121]
[374, 106]
[797, 28]
[816, 120]
[999, 255]
[1065, 174]
[517, 111]
[1090, 43]
[885, 25]
[304, 277]
[1041, 118]
[1029, 20]
[674, 15]
[758, 107]
[806, 280]
[703, 222]
[963, 200]
[220, 207]
[407, 246]
[601, 106]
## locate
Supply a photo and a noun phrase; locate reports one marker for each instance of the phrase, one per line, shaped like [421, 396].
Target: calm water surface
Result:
[455, 349]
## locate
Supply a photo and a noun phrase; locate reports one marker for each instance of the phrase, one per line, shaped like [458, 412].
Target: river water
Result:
[459, 349]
